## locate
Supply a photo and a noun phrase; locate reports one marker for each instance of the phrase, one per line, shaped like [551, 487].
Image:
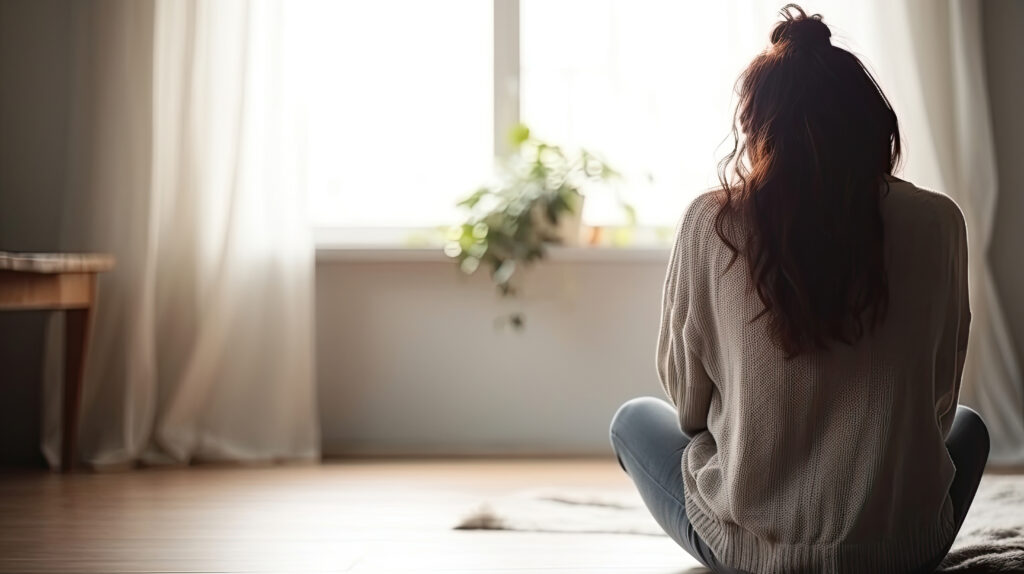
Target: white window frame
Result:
[397, 244]
[505, 117]
[506, 73]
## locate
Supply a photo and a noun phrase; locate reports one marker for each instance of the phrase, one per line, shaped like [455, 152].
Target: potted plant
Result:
[535, 201]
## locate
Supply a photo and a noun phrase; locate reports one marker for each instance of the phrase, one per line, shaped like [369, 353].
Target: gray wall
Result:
[1004, 49]
[410, 360]
[35, 76]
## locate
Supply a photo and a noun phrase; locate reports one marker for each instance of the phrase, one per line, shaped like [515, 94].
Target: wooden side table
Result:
[64, 282]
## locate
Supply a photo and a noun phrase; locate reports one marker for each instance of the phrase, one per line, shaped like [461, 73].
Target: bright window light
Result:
[642, 86]
[399, 108]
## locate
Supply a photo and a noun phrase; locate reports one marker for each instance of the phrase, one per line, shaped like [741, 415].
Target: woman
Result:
[814, 330]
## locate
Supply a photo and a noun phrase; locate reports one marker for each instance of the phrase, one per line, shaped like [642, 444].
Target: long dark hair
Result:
[805, 181]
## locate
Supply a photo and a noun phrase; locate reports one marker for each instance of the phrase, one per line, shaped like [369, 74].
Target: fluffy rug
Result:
[991, 540]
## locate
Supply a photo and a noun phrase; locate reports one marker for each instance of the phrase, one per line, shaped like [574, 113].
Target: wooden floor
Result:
[357, 517]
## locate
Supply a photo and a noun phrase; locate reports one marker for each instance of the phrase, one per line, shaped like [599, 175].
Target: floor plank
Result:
[360, 516]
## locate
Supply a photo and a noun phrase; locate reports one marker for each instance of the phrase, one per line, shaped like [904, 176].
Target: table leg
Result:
[76, 341]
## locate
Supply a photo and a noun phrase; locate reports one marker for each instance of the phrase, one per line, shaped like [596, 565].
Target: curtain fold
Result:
[947, 59]
[189, 173]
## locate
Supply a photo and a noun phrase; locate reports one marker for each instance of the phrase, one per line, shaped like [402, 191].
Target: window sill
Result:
[424, 246]
[396, 254]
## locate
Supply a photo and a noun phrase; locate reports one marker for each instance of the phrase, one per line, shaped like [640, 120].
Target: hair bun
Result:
[799, 29]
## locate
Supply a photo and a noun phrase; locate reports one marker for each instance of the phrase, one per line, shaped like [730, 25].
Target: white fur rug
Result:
[991, 540]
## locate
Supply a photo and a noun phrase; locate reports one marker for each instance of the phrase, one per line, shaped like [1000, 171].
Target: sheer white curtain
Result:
[186, 167]
[952, 103]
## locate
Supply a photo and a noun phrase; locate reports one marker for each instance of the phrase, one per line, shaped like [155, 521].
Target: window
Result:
[400, 110]
[407, 114]
[639, 84]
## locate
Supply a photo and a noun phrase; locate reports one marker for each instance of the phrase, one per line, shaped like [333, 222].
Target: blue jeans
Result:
[649, 445]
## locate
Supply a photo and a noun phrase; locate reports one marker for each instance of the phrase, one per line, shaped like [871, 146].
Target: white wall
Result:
[410, 360]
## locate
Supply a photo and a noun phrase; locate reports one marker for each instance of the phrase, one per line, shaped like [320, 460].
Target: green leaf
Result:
[622, 237]
[480, 230]
[469, 265]
[517, 321]
[555, 208]
[471, 201]
[511, 223]
[630, 213]
[518, 135]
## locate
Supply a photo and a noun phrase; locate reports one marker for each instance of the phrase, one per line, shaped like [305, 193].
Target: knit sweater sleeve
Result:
[680, 368]
[959, 318]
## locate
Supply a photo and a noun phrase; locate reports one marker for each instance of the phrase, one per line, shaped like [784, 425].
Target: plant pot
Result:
[570, 224]
[568, 229]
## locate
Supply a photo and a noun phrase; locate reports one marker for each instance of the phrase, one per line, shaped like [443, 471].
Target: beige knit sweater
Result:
[832, 461]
